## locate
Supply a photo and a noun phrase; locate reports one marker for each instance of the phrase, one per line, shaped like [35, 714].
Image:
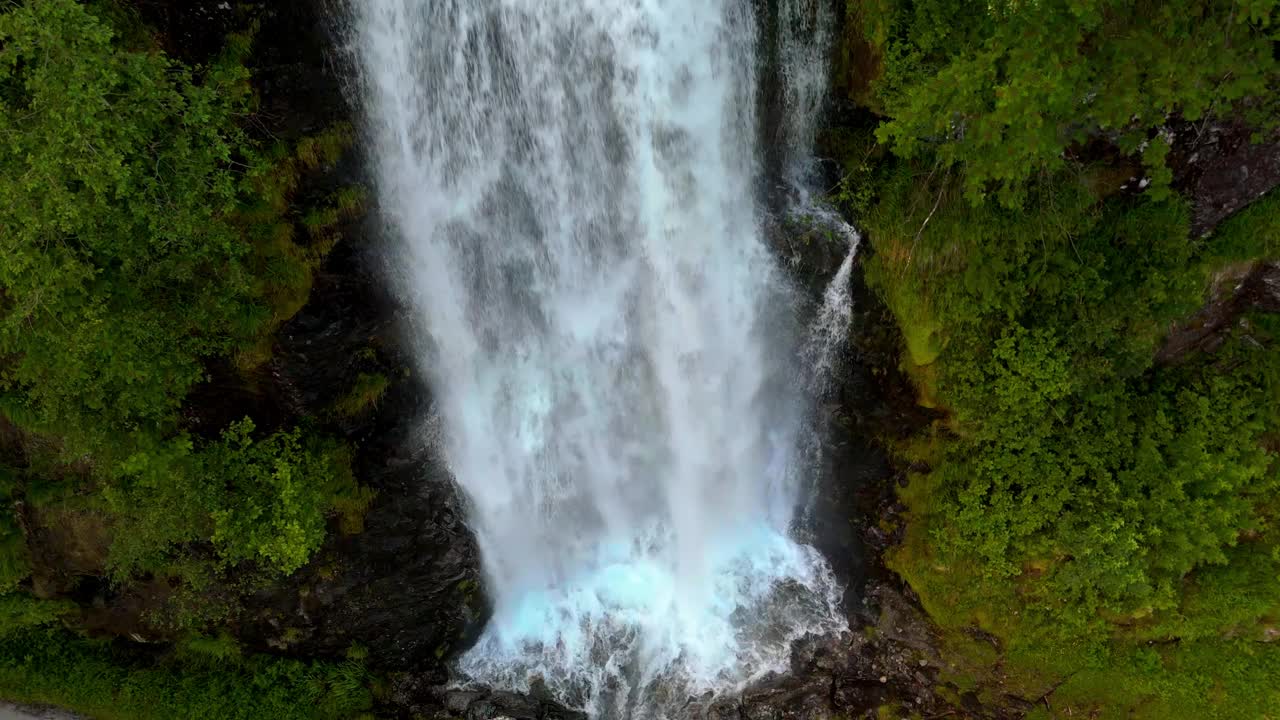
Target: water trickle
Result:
[608, 338]
[829, 328]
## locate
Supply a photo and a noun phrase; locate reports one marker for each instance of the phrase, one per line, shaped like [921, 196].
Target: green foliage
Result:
[1004, 88]
[364, 395]
[114, 681]
[261, 500]
[142, 233]
[1084, 500]
[119, 263]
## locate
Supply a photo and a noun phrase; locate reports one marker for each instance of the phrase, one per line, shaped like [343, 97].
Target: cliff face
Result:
[407, 586]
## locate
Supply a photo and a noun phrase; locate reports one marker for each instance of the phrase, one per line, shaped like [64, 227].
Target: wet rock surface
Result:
[416, 699]
[407, 586]
[1237, 290]
[1223, 166]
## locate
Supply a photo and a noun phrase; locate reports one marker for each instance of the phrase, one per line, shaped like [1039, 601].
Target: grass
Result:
[363, 396]
[114, 681]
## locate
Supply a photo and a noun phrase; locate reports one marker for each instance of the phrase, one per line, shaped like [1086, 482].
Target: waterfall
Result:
[609, 341]
[806, 29]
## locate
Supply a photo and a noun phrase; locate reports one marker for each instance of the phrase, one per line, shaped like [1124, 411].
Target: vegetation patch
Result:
[111, 680]
[1097, 532]
[144, 235]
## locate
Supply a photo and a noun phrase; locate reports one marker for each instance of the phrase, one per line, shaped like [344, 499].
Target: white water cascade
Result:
[805, 34]
[610, 342]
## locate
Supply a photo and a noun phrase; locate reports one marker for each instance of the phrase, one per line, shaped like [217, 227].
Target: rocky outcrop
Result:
[407, 587]
[410, 694]
[1236, 290]
[1223, 166]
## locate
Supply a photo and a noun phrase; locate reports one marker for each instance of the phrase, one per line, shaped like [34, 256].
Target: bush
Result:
[1005, 88]
[262, 500]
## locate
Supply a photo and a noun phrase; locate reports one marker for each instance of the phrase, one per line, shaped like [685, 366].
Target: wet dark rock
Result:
[1238, 289]
[294, 68]
[850, 676]
[1223, 166]
[809, 245]
[408, 587]
[423, 700]
[193, 30]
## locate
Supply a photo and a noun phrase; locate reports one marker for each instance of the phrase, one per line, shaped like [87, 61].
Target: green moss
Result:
[363, 395]
[326, 148]
[1252, 233]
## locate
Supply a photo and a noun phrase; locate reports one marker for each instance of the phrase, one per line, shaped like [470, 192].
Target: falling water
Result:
[608, 337]
[829, 328]
[805, 32]
[806, 29]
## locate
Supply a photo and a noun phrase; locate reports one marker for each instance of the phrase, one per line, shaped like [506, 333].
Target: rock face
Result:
[407, 587]
[1237, 290]
[1223, 166]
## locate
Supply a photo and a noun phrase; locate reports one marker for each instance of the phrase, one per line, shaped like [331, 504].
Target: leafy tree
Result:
[118, 260]
[262, 500]
[1004, 88]
[143, 232]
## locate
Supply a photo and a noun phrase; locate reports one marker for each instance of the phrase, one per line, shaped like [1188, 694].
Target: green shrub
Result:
[261, 500]
[279, 493]
[20, 611]
[1004, 88]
